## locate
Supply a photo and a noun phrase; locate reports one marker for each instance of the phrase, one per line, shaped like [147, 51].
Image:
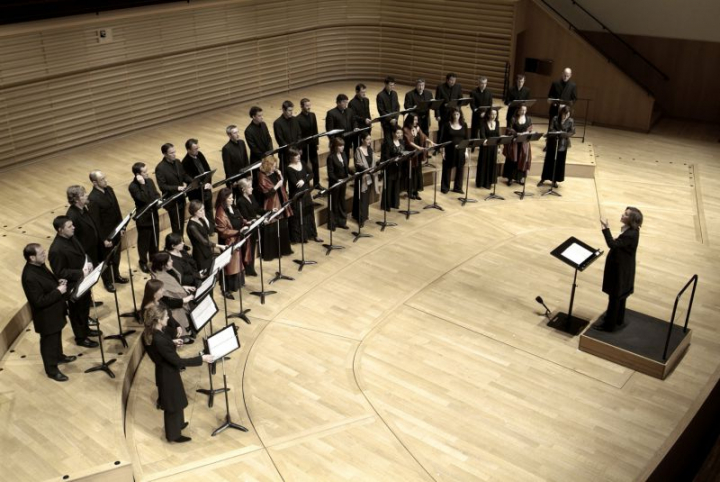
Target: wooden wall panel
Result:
[183, 59]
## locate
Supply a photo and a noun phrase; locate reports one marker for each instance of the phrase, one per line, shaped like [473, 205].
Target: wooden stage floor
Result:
[417, 354]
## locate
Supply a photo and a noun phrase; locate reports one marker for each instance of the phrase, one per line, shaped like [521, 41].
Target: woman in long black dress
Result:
[365, 185]
[560, 123]
[337, 170]
[415, 139]
[392, 147]
[228, 224]
[518, 155]
[271, 185]
[455, 131]
[250, 210]
[486, 174]
[298, 178]
[198, 231]
[163, 352]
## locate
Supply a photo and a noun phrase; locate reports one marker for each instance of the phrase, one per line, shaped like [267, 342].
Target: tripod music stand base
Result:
[135, 314]
[228, 424]
[211, 394]
[279, 276]
[105, 367]
[408, 213]
[464, 200]
[121, 337]
[571, 325]
[385, 224]
[330, 247]
[241, 315]
[434, 206]
[302, 263]
[262, 295]
[523, 194]
[495, 196]
[552, 191]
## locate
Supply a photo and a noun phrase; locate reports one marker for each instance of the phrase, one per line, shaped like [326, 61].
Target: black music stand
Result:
[201, 316]
[468, 143]
[262, 293]
[578, 255]
[408, 158]
[557, 135]
[298, 198]
[524, 138]
[121, 334]
[242, 314]
[434, 204]
[85, 286]
[331, 223]
[384, 165]
[279, 274]
[424, 107]
[223, 343]
[357, 190]
[230, 180]
[496, 141]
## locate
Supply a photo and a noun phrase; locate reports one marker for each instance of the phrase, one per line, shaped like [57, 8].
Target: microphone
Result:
[547, 310]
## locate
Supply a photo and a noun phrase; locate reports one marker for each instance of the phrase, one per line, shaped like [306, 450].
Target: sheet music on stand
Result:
[221, 261]
[88, 282]
[203, 313]
[223, 342]
[206, 286]
[123, 224]
[576, 253]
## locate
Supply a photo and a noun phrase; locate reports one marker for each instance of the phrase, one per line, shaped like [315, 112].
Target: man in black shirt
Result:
[105, 211]
[143, 191]
[171, 179]
[387, 102]
[69, 262]
[257, 135]
[85, 229]
[481, 97]
[516, 92]
[235, 157]
[46, 297]
[413, 99]
[309, 127]
[341, 117]
[194, 164]
[287, 131]
[563, 89]
[450, 90]
[360, 106]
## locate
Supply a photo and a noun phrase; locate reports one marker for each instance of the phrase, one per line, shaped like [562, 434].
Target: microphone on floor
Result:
[547, 310]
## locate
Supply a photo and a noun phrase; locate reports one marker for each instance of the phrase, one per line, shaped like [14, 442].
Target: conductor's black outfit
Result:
[171, 391]
[194, 166]
[171, 175]
[619, 277]
[105, 211]
[147, 237]
[67, 260]
[48, 309]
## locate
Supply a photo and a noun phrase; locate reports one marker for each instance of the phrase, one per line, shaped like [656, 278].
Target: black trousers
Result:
[147, 242]
[447, 167]
[79, 312]
[174, 422]
[113, 266]
[615, 314]
[310, 158]
[51, 351]
[338, 215]
[176, 211]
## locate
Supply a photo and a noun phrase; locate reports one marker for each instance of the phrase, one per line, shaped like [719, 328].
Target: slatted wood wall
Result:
[60, 88]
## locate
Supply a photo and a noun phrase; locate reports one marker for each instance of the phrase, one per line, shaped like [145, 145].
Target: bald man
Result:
[563, 89]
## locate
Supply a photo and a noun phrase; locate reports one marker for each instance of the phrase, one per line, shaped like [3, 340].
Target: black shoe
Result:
[121, 280]
[184, 426]
[67, 359]
[99, 303]
[58, 377]
[343, 227]
[459, 191]
[541, 182]
[319, 187]
[228, 295]
[93, 332]
[110, 287]
[555, 185]
[187, 340]
[444, 191]
[509, 182]
[417, 196]
[521, 182]
[144, 268]
[182, 439]
[250, 273]
[87, 343]
[317, 240]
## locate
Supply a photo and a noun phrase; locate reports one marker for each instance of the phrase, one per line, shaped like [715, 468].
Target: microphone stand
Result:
[279, 275]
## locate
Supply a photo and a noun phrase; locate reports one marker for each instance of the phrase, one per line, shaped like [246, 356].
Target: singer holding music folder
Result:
[163, 352]
[554, 167]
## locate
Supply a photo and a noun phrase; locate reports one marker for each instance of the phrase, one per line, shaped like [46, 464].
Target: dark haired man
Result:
[194, 164]
[387, 103]
[257, 135]
[235, 157]
[287, 131]
[309, 127]
[340, 117]
[447, 91]
[413, 99]
[171, 179]
[360, 106]
[143, 191]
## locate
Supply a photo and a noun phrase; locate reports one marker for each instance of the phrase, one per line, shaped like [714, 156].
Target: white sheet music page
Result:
[223, 342]
[576, 253]
[202, 313]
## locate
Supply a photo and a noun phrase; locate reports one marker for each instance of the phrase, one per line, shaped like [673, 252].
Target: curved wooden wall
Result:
[172, 61]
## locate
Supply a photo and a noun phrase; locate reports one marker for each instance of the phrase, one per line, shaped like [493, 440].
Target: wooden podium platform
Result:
[639, 344]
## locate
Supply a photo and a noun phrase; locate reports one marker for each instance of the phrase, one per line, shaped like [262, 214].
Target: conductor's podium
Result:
[639, 344]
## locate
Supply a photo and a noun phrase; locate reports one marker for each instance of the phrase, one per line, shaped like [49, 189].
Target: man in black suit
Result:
[481, 97]
[171, 179]
[86, 231]
[235, 158]
[46, 297]
[450, 90]
[619, 276]
[105, 211]
[309, 127]
[257, 135]
[340, 117]
[387, 103]
[413, 99]
[143, 191]
[564, 90]
[287, 131]
[194, 164]
[360, 106]
[516, 92]
[69, 262]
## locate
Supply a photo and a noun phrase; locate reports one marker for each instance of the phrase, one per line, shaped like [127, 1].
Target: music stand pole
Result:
[385, 223]
[135, 313]
[302, 261]
[359, 234]
[104, 365]
[210, 392]
[552, 190]
[331, 226]
[464, 200]
[434, 204]
[279, 275]
[408, 212]
[493, 195]
[121, 334]
[262, 293]
[228, 421]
